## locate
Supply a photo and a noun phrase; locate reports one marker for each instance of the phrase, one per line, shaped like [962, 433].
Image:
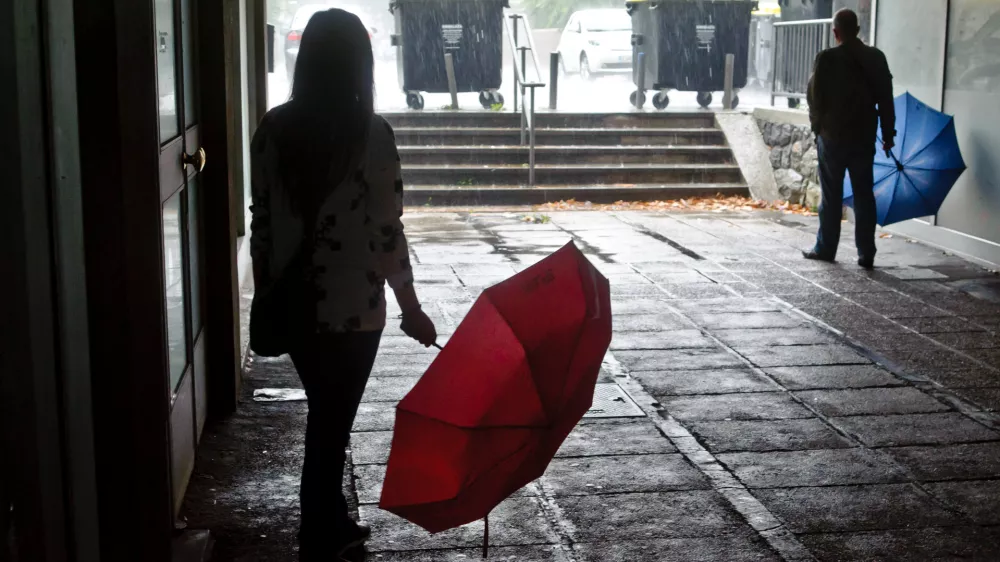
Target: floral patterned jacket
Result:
[358, 237]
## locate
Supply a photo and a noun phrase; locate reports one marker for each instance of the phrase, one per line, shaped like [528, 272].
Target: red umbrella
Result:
[500, 398]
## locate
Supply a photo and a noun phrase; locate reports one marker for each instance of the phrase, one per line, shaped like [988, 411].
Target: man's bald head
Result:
[845, 25]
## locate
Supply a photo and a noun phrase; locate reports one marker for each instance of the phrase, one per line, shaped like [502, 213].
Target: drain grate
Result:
[610, 401]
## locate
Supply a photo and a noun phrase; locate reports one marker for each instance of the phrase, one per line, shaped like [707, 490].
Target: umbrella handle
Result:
[437, 345]
[899, 165]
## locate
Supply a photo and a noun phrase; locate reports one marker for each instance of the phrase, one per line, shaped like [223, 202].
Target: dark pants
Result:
[836, 159]
[334, 369]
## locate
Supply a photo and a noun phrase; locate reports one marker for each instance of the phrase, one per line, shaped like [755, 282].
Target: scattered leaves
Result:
[718, 204]
[885, 235]
[536, 219]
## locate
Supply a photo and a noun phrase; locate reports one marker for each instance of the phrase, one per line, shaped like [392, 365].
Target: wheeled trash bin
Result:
[684, 44]
[471, 31]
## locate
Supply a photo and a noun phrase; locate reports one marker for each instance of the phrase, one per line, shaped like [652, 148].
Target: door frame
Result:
[120, 151]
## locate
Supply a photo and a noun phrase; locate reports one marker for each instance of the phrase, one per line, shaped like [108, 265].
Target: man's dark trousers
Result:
[835, 159]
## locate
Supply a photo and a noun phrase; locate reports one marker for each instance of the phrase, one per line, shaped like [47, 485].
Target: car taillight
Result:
[294, 36]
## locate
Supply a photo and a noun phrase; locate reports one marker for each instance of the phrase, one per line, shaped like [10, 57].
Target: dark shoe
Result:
[814, 255]
[341, 545]
[867, 263]
[354, 536]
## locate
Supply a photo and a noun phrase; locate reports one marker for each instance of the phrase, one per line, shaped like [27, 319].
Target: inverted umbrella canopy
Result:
[498, 401]
[925, 163]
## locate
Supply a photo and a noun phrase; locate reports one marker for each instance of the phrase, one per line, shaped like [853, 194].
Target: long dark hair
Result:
[331, 106]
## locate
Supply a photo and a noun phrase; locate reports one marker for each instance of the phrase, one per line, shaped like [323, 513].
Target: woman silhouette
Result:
[327, 203]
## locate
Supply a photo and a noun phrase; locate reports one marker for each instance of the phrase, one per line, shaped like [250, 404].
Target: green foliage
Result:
[548, 14]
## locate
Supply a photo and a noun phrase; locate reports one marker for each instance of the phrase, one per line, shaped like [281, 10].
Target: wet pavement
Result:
[787, 410]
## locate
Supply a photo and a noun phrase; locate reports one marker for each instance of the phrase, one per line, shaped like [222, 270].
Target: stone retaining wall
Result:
[794, 159]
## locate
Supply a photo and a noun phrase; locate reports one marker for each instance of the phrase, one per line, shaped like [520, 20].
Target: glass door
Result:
[181, 161]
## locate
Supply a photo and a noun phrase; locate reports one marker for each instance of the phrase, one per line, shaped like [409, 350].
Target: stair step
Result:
[626, 120]
[469, 155]
[445, 119]
[444, 195]
[473, 175]
[499, 136]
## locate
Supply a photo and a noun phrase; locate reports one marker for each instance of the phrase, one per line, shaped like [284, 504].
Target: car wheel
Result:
[585, 72]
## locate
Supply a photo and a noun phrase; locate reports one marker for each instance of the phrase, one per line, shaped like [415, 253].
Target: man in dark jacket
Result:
[850, 90]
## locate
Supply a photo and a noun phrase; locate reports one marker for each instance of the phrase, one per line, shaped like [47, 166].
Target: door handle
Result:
[197, 159]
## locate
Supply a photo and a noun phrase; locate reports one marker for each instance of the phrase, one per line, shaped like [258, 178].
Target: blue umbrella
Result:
[915, 178]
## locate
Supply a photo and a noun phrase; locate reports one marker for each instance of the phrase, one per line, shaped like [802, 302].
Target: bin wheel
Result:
[704, 99]
[736, 101]
[793, 103]
[661, 100]
[486, 99]
[415, 101]
[640, 95]
[497, 99]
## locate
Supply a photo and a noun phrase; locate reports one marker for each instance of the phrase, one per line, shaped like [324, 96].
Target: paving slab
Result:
[895, 305]
[737, 548]
[952, 462]
[635, 290]
[615, 437]
[515, 522]
[937, 325]
[621, 474]
[375, 416]
[968, 340]
[860, 401]
[905, 545]
[650, 323]
[767, 435]
[747, 321]
[745, 406]
[720, 381]
[811, 468]
[915, 429]
[388, 389]
[542, 553]
[834, 376]
[802, 355]
[696, 291]
[802, 335]
[653, 305]
[731, 304]
[676, 339]
[679, 359]
[371, 447]
[856, 508]
[979, 499]
[628, 517]
[986, 398]
[419, 362]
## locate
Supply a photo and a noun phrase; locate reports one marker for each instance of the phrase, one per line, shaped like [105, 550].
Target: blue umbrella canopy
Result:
[915, 179]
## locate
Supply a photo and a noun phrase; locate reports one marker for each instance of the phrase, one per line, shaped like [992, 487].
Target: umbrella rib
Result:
[538, 392]
[914, 186]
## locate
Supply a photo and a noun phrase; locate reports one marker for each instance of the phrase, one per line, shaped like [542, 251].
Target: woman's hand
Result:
[419, 326]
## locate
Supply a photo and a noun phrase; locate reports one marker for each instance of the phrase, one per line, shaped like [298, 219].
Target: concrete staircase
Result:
[475, 158]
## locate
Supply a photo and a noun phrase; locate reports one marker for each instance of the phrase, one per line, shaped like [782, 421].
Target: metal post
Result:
[514, 18]
[531, 148]
[727, 96]
[776, 32]
[640, 79]
[449, 68]
[553, 81]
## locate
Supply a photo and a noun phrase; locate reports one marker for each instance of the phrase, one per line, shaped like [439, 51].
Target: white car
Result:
[597, 41]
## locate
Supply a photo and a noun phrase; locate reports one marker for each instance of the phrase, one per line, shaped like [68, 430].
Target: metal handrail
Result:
[522, 84]
[796, 44]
